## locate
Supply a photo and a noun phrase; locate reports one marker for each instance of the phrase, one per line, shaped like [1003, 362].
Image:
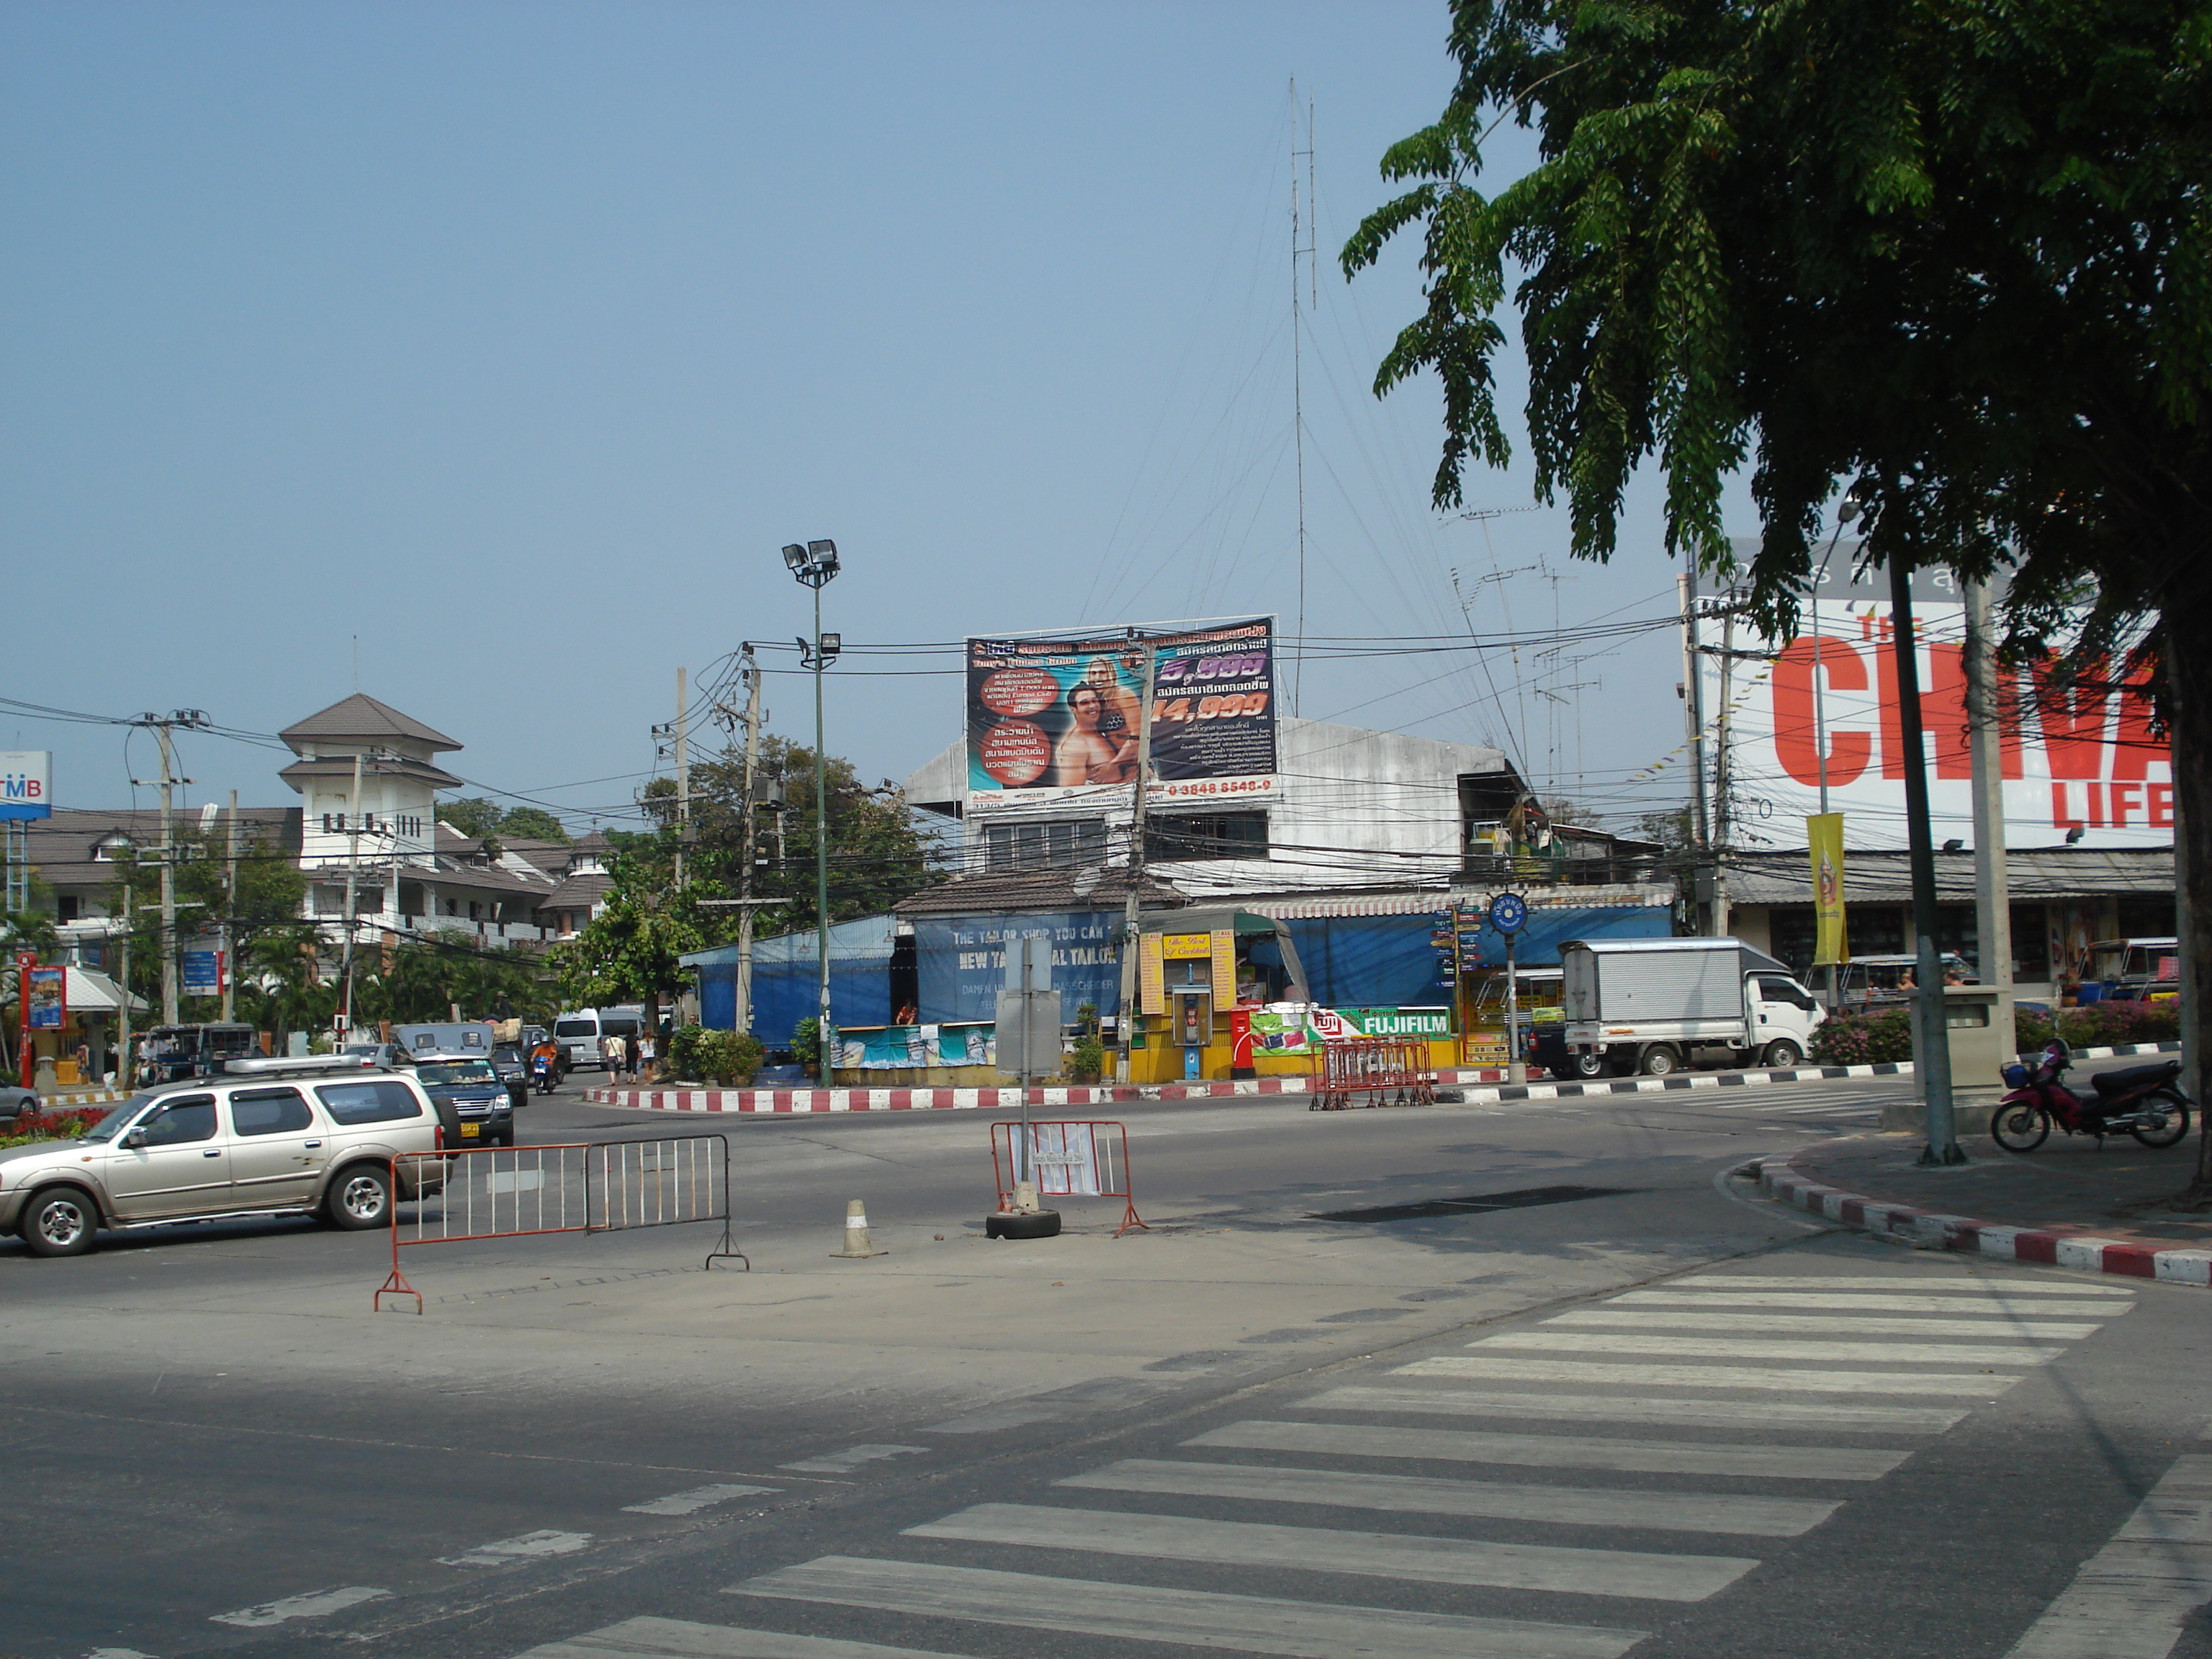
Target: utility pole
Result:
[1932, 1045]
[1693, 711]
[683, 769]
[230, 910]
[743, 1021]
[168, 876]
[1985, 714]
[123, 1064]
[1723, 811]
[352, 889]
[1125, 1020]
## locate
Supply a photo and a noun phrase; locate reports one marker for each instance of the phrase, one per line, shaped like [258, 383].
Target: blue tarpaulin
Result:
[786, 978]
[1385, 961]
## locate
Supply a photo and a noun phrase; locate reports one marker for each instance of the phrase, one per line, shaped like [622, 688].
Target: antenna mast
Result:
[1297, 371]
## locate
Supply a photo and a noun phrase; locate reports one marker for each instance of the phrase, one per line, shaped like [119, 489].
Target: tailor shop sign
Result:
[1296, 1028]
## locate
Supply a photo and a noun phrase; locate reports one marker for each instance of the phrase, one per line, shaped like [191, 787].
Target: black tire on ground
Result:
[1781, 1052]
[60, 1221]
[2177, 1125]
[507, 1139]
[1588, 1062]
[360, 1198]
[2020, 1127]
[1659, 1060]
[1043, 1224]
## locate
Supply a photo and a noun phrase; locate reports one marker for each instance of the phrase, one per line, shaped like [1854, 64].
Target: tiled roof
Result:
[576, 892]
[340, 766]
[361, 716]
[61, 847]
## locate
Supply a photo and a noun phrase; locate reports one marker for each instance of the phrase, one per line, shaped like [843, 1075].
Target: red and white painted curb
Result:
[920, 1100]
[1934, 1229]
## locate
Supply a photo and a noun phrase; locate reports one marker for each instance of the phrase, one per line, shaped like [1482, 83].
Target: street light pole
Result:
[814, 565]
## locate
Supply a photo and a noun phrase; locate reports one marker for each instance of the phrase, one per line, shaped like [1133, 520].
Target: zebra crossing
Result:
[1350, 1528]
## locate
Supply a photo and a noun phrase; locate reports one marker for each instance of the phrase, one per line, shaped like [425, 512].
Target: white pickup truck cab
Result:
[1656, 1005]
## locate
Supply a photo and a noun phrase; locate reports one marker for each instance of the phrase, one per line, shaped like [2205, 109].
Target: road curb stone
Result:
[1782, 1179]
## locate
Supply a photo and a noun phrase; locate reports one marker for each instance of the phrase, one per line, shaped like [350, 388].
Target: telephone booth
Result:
[1200, 973]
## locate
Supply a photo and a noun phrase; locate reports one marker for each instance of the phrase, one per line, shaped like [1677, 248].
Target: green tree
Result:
[1956, 256]
[532, 823]
[877, 853]
[265, 899]
[628, 951]
[472, 815]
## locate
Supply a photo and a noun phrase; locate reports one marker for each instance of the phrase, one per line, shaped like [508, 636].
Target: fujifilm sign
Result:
[26, 783]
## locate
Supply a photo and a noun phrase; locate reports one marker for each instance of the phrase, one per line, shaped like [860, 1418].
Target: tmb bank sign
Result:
[26, 783]
[2074, 754]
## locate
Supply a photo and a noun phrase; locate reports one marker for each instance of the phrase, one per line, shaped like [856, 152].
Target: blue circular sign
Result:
[1509, 913]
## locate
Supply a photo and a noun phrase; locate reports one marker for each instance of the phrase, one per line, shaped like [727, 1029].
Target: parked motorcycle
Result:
[2142, 1100]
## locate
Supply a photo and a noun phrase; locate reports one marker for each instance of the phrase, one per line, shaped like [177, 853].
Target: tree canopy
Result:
[1953, 255]
[478, 816]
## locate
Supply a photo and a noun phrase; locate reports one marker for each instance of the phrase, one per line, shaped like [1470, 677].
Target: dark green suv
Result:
[483, 1109]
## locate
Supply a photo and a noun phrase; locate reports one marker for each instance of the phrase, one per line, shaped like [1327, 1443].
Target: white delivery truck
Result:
[1656, 1005]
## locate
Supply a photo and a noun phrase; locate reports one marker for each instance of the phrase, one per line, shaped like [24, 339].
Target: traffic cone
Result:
[857, 1246]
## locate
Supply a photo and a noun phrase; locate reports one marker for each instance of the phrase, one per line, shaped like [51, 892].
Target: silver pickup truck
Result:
[289, 1138]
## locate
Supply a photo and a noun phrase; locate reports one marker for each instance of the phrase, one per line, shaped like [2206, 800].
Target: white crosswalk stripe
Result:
[1958, 1306]
[1850, 1324]
[1412, 1494]
[1591, 1389]
[1826, 1415]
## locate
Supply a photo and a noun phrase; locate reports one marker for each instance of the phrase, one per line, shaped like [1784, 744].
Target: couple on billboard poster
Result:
[1065, 714]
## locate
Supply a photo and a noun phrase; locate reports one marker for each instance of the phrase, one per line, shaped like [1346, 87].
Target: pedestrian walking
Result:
[647, 1051]
[611, 1056]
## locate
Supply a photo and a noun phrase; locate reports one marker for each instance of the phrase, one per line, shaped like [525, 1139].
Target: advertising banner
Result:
[1050, 718]
[26, 783]
[2072, 754]
[1297, 1028]
[962, 961]
[1824, 843]
[46, 1006]
[202, 973]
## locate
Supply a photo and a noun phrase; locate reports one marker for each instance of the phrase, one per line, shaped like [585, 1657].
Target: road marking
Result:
[1557, 1451]
[1757, 1379]
[1874, 1354]
[699, 1497]
[1718, 1414]
[1411, 1556]
[1200, 1619]
[1850, 1324]
[851, 1457]
[1957, 1306]
[312, 1605]
[529, 1547]
[1999, 1287]
[993, 1418]
[678, 1638]
[2131, 1599]
[1406, 1494]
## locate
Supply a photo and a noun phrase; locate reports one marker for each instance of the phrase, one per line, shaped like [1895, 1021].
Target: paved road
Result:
[1561, 1427]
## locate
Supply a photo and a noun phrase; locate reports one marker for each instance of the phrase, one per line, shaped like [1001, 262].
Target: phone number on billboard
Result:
[1219, 787]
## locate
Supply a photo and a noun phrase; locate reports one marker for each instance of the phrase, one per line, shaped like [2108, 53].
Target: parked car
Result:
[483, 1106]
[17, 1103]
[290, 1138]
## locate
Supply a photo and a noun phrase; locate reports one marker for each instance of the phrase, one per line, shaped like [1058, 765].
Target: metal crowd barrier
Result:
[1067, 1157]
[578, 1186]
[1388, 1071]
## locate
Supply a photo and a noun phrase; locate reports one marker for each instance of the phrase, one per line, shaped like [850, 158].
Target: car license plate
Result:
[469, 1131]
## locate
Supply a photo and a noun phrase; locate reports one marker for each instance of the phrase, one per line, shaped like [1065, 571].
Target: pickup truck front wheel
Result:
[60, 1221]
[1660, 1060]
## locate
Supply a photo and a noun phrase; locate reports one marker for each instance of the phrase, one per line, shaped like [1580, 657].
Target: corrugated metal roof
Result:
[1300, 907]
[2071, 872]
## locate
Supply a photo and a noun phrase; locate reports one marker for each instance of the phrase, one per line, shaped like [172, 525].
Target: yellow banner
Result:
[1224, 968]
[1151, 991]
[1179, 946]
[1824, 844]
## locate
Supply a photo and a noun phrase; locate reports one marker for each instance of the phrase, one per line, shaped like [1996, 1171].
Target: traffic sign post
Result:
[1509, 914]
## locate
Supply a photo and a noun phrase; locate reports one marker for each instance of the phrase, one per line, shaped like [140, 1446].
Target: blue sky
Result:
[514, 339]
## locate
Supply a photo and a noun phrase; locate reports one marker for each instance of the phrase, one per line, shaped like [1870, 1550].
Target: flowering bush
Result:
[49, 1126]
[1857, 1038]
[2101, 1026]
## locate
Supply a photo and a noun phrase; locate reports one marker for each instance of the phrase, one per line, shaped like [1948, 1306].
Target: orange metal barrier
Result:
[1388, 1071]
[1066, 1158]
[578, 1186]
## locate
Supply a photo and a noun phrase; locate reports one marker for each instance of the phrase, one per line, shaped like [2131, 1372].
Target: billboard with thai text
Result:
[1054, 719]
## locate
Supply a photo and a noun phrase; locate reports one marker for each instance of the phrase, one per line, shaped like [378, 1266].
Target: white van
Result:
[579, 1031]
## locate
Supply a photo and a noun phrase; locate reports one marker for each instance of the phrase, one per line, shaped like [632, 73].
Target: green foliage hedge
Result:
[695, 1053]
[1886, 1033]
